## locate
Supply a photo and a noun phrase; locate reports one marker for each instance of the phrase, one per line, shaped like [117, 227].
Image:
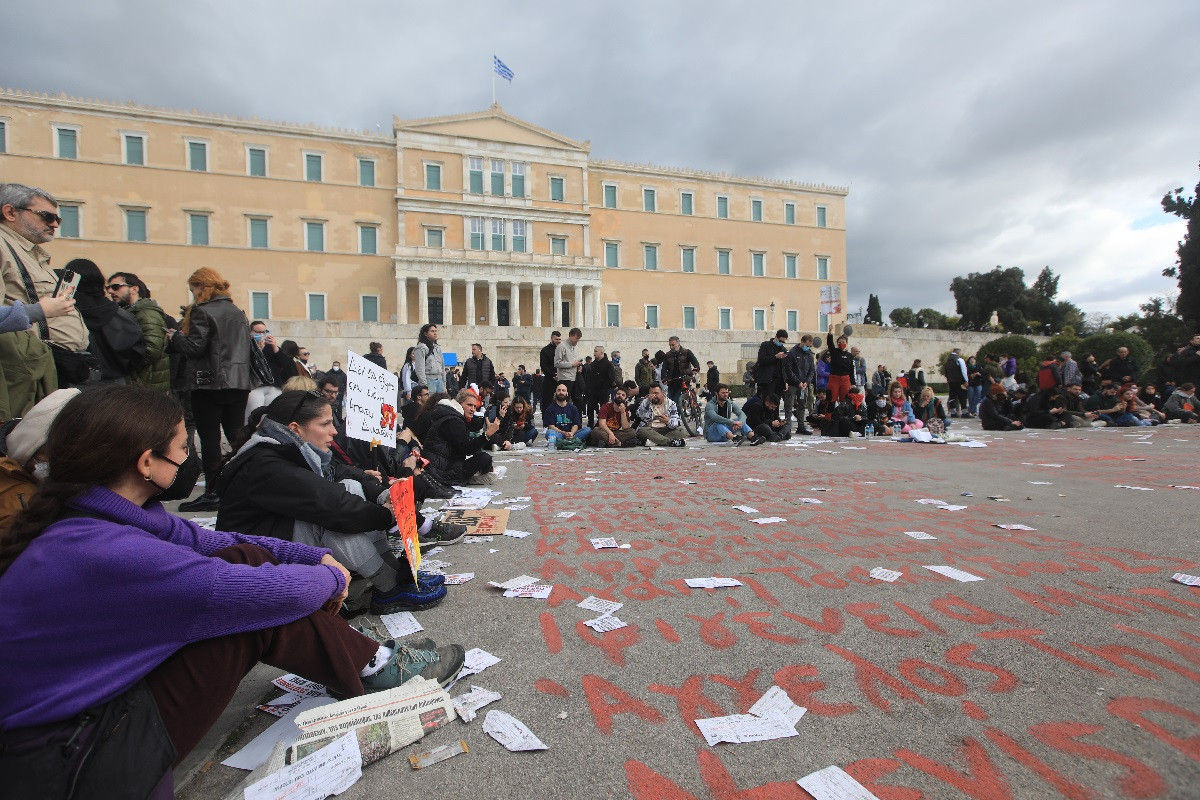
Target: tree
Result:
[874, 312]
[1018, 307]
[1159, 325]
[932, 318]
[903, 317]
[1067, 340]
[1187, 266]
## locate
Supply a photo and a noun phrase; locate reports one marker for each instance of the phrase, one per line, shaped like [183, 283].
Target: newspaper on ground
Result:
[747, 509]
[476, 662]
[929, 501]
[600, 605]
[517, 507]
[970, 443]
[282, 730]
[466, 503]
[604, 624]
[1175, 486]
[459, 578]
[777, 703]
[468, 704]
[435, 565]
[919, 535]
[383, 721]
[438, 754]
[711, 583]
[1041, 483]
[533, 591]
[280, 706]
[809, 501]
[1185, 579]
[1015, 527]
[517, 534]
[1136, 488]
[946, 507]
[511, 732]
[476, 539]
[513, 583]
[881, 574]
[833, 783]
[742, 728]
[755, 480]
[819, 489]
[950, 572]
[401, 624]
[767, 520]
[329, 771]
[301, 686]
[566, 514]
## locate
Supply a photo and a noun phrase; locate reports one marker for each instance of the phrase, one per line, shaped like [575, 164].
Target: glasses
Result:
[49, 217]
[112, 287]
[304, 396]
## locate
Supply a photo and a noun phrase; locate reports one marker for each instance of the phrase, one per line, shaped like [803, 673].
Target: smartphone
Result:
[424, 462]
[68, 283]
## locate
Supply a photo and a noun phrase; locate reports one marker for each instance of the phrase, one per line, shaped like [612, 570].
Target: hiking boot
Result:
[407, 598]
[443, 533]
[205, 502]
[441, 664]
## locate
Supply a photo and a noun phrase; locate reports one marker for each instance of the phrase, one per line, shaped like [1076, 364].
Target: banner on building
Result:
[370, 402]
[831, 299]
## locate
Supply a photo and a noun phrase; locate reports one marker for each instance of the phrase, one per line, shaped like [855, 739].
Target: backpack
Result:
[1046, 379]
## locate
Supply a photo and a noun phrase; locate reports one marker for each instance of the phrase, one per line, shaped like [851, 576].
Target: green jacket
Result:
[27, 373]
[156, 374]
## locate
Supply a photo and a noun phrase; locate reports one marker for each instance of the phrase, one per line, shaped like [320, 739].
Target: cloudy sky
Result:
[971, 135]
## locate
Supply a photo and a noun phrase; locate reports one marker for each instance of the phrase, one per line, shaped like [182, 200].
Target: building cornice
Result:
[674, 173]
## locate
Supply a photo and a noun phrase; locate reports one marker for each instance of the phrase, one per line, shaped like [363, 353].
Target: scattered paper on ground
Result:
[517, 534]
[1174, 486]
[1138, 488]
[565, 514]
[476, 539]
[401, 624]
[742, 728]
[919, 535]
[1187, 580]
[468, 704]
[511, 732]
[477, 661]
[301, 686]
[1016, 527]
[747, 509]
[947, 507]
[767, 520]
[600, 605]
[513, 583]
[437, 754]
[1041, 483]
[711, 583]
[283, 730]
[929, 501]
[459, 578]
[951, 572]
[328, 771]
[532, 591]
[777, 703]
[881, 574]
[833, 783]
[604, 624]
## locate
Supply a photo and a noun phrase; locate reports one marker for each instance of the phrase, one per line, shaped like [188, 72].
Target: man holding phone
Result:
[28, 219]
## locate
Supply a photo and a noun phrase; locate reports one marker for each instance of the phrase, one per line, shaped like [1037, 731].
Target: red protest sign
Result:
[404, 506]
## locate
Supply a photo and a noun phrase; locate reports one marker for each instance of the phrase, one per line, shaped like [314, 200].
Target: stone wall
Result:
[508, 347]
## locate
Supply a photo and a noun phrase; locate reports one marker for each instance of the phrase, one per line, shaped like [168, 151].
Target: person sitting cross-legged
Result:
[1181, 405]
[854, 413]
[900, 416]
[762, 417]
[111, 681]
[613, 425]
[562, 417]
[996, 411]
[661, 424]
[724, 420]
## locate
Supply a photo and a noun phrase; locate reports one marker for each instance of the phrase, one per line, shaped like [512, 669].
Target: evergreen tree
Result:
[874, 312]
[1187, 267]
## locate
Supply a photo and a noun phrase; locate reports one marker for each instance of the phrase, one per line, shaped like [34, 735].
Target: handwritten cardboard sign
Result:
[370, 402]
[489, 522]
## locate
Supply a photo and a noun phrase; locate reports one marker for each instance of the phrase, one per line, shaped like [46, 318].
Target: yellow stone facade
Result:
[476, 219]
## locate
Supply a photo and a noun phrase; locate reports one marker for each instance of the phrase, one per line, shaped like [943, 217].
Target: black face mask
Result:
[185, 479]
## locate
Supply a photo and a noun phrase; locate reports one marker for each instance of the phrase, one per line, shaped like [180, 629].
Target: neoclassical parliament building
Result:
[473, 219]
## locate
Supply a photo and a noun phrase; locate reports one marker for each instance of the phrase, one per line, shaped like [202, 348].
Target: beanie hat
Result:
[31, 433]
[996, 389]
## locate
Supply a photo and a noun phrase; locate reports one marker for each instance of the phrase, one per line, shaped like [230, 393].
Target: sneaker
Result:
[518, 446]
[407, 598]
[433, 580]
[205, 502]
[480, 479]
[757, 440]
[443, 533]
[739, 440]
[677, 443]
[441, 664]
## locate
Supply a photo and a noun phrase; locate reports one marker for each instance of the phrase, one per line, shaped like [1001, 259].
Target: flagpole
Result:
[493, 80]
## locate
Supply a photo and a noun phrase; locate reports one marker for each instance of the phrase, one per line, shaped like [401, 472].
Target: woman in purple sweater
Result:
[126, 630]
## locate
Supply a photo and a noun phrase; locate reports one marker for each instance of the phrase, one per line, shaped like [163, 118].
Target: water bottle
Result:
[869, 430]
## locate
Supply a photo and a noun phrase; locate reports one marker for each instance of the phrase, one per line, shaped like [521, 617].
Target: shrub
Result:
[1024, 348]
[1104, 346]
[1067, 340]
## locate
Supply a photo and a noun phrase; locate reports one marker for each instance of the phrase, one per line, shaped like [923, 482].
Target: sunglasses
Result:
[112, 287]
[304, 396]
[47, 216]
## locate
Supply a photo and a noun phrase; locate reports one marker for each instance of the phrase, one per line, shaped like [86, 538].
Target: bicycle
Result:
[690, 412]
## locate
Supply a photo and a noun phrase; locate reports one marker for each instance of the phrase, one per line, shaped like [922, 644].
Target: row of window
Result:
[316, 304]
[724, 261]
[196, 154]
[199, 223]
[725, 318]
[687, 205]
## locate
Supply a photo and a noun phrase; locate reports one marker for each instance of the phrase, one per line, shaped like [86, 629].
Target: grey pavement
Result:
[1069, 670]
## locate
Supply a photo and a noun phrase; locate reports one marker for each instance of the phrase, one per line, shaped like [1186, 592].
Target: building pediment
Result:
[492, 125]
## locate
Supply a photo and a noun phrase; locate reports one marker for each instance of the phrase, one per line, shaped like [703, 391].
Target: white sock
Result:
[377, 662]
[426, 527]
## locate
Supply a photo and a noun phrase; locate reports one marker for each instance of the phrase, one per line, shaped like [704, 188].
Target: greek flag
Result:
[502, 70]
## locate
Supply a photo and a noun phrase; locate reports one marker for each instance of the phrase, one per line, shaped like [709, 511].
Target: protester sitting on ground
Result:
[762, 417]
[613, 425]
[1144, 410]
[1181, 405]
[900, 417]
[420, 425]
[928, 407]
[724, 420]
[28, 461]
[561, 417]
[1070, 399]
[412, 409]
[853, 414]
[660, 421]
[517, 423]
[1149, 395]
[1042, 410]
[299, 383]
[502, 438]
[1106, 404]
[284, 482]
[174, 615]
[1128, 416]
[456, 453]
[825, 415]
[996, 412]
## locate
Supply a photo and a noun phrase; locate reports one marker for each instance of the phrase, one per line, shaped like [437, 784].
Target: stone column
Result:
[423, 300]
[491, 320]
[471, 303]
[556, 310]
[447, 308]
[401, 299]
[537, 304]
[577, 308]
[514, 304]
[598, 308]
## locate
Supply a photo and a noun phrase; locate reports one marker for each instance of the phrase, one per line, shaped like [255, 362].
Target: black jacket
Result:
[800, 367]
[478, 371]
[377, 359]
[270, 486]
[216, 347]
[114, 336]
[546, 361]
[1118, 368]
[678, 364]
[448, 442]
[768, 371]
[840, 361]
[599, 377]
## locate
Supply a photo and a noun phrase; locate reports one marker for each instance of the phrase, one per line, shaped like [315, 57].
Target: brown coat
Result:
[16, 490]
